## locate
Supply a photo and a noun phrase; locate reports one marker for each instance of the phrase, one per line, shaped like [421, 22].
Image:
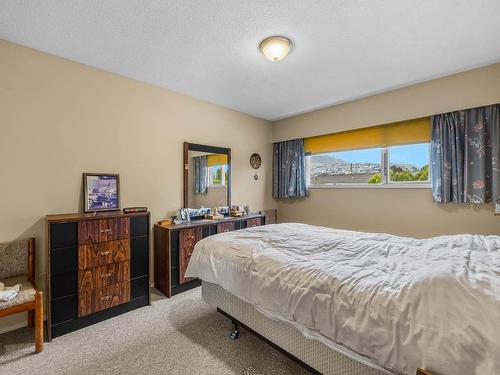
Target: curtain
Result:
[465, 155]
[200, 174]
[289, 170]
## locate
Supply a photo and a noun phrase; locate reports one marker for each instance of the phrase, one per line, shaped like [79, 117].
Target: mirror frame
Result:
[204, 148]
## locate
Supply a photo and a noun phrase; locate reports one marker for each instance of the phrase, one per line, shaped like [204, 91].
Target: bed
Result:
[387, 304]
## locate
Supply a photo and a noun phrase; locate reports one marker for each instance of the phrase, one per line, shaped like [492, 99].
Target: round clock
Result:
[255, 161]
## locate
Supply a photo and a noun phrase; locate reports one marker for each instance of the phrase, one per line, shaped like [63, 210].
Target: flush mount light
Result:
[275, 48]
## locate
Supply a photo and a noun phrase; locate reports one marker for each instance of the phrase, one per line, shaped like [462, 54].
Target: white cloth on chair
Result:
[9, 292]
[26, 291]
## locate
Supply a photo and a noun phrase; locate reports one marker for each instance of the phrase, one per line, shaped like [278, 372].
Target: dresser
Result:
[97, 268]
[174, 244]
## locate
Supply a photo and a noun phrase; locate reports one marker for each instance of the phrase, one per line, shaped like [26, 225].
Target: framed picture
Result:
[183, 215]
[101, 192]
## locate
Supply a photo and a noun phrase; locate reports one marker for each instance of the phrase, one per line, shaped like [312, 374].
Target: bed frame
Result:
[311, 354]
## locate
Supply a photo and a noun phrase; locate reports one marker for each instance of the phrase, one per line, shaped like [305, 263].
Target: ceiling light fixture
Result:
[275, 48]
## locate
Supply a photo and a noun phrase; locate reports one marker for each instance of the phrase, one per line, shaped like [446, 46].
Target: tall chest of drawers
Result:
[97, 268]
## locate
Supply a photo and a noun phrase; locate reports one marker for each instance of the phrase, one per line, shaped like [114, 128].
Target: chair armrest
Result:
[37, 289]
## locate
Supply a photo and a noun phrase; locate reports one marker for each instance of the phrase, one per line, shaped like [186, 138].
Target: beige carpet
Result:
[181, 335]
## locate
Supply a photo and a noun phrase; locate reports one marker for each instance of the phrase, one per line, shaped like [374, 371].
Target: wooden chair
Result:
[17, 266]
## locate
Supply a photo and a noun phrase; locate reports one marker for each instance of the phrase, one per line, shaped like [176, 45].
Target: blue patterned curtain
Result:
[200, 174]
[289, 170]
[465, 155]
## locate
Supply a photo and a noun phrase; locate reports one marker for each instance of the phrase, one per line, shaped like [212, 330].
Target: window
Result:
[218, 175]
[409, 163]
[382, 166]
[357, 167]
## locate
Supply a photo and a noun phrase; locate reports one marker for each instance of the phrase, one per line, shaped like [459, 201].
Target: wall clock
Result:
[255, 161]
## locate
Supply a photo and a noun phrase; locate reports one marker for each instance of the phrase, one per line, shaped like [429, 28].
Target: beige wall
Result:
[405, 212]
[59, 119]
[408, 212]
[465, 90]
[215, 197]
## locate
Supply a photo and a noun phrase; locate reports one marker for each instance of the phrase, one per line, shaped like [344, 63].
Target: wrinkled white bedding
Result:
[401, 302]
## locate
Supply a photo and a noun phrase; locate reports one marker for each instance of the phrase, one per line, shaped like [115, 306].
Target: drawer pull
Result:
[106, 275]
[105, 298]
[104, 252]
[190, 238]
[106, 231]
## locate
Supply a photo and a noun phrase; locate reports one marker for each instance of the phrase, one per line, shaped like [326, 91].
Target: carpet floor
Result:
[181, 335]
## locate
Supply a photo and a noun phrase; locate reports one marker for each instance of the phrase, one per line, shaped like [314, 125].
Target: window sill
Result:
[372, 186]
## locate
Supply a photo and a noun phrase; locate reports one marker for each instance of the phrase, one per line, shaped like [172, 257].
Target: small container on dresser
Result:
[174, 244]
[97, 268]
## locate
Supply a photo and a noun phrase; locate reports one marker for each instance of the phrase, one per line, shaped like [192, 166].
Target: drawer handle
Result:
[105, 298]
[190, 238]
[104, 252]
[106, 275]
[106, 231]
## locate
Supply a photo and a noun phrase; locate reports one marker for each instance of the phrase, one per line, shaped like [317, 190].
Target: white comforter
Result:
[401, 302]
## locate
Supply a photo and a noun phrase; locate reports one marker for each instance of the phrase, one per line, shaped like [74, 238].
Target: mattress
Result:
[394, 302]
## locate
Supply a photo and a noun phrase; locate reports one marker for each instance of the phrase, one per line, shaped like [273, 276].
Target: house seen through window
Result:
[406, 164]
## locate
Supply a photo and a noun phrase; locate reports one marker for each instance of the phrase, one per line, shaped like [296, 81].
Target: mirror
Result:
[207, 176]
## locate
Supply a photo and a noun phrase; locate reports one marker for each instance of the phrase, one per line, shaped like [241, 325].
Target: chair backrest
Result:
[17, 258]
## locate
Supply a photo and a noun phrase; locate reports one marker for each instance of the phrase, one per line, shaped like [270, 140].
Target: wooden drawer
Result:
[103, 230]
[187, 239]
[103, 298]
[102, 276]
[250, 223]
[98, 254]
[225, 227]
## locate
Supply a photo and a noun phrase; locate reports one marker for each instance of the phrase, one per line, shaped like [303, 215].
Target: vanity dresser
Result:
[174, 244]
[97, 268]
[207, 183]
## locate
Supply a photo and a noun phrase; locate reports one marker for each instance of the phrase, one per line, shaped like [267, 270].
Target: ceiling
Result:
[344, 49]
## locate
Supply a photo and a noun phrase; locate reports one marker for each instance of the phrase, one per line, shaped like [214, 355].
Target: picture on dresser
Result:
[101, 192]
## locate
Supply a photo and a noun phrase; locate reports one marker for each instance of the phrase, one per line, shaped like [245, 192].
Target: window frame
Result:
[385, 182]
[223, 177]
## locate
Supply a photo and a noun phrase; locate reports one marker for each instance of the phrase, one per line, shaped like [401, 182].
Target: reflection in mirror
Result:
[207, 179]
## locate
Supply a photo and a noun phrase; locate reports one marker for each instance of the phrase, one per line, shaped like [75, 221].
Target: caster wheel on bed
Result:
[235, 333]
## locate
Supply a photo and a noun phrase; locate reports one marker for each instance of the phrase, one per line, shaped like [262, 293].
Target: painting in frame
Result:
[101, 192]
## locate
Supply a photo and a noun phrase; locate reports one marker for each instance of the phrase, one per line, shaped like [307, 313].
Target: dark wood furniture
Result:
[174, 244]
[271, 216]
[33, 307]
[97, 268]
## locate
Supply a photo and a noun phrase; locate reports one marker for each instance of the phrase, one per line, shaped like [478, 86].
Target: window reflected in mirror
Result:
[207, 179]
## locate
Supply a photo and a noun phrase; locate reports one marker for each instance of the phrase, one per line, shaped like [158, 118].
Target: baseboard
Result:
[13, 327]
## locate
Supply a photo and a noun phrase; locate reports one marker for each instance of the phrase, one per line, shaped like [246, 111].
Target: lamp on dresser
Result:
[97, 268]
